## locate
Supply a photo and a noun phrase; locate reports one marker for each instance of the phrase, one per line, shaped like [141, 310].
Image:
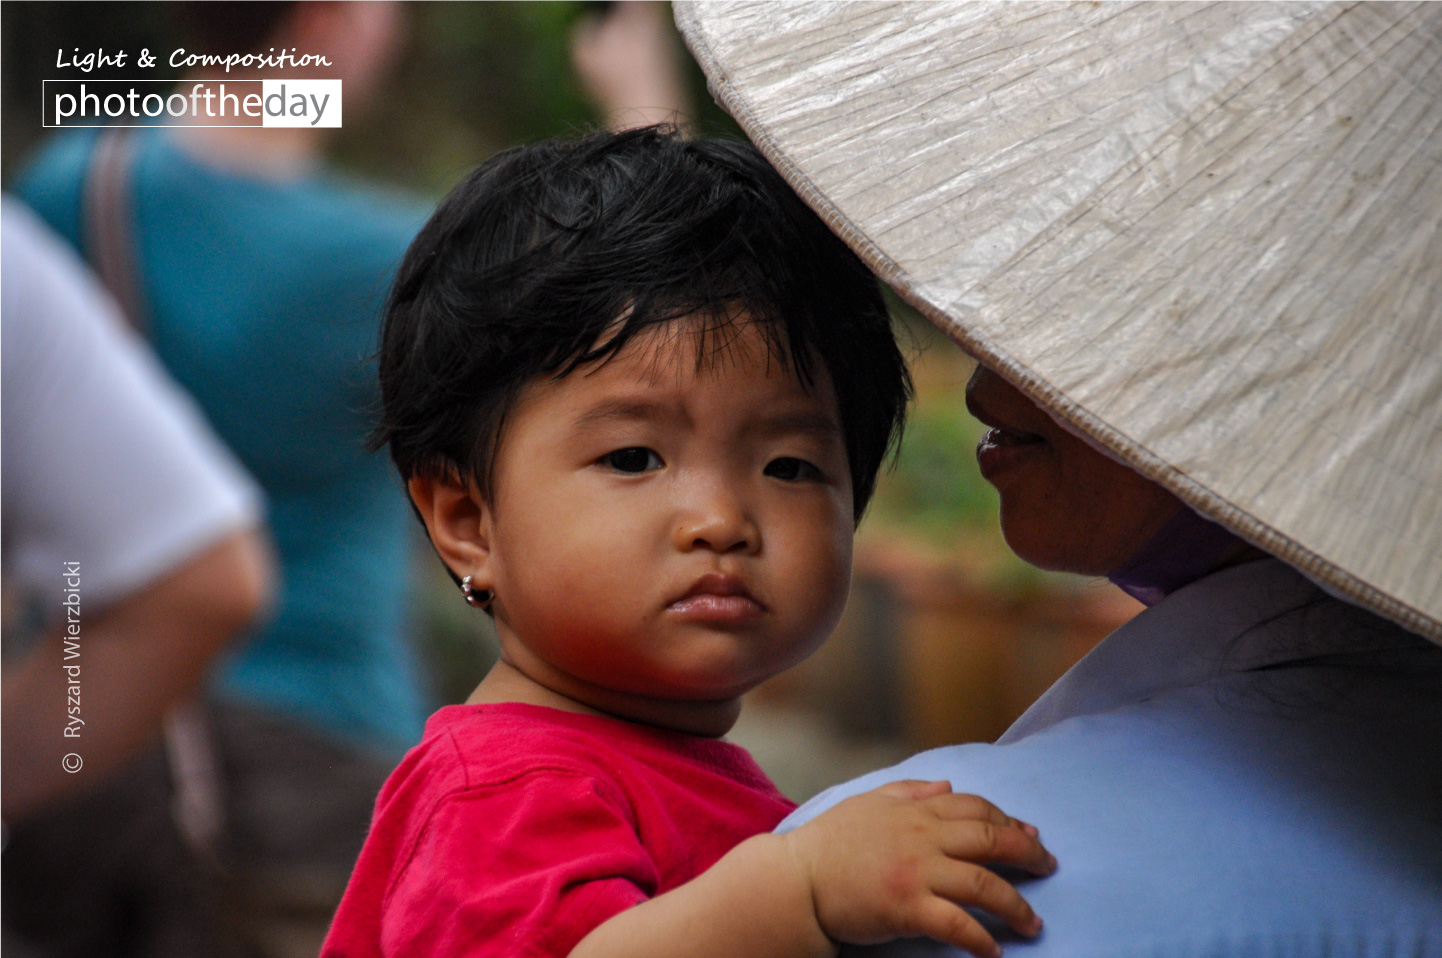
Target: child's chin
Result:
[713, 686]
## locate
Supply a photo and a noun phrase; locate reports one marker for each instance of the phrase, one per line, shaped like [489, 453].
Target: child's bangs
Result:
[713, 333]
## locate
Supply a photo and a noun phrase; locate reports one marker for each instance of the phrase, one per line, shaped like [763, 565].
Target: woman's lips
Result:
[1005, 445]
[1002, 449]
[718, 599]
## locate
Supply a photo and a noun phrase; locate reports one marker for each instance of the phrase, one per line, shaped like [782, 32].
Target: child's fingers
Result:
[913, 790]
[992, 844]
[945, 921]
[957, 805]
[972, 885]
[962, 806]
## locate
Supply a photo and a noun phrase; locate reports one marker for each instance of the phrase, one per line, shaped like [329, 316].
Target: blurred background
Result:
[947, 637]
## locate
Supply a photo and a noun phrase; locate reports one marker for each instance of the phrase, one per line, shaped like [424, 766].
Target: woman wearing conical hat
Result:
[1196, 252]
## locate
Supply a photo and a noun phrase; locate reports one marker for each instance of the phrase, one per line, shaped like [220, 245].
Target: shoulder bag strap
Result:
[107, 223]
[197, 802]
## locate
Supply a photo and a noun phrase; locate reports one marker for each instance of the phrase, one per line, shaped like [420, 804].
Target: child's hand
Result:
[900, 862]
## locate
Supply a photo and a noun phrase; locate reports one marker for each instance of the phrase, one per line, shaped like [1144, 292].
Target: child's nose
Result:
[721, 525]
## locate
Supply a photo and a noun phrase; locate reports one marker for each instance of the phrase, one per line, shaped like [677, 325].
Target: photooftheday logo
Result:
[302, 103]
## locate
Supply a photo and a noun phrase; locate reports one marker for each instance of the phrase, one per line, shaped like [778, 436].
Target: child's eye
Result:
[788, 469]
[633, 459]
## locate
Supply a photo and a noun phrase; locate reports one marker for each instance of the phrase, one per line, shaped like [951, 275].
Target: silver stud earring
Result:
[480, 598]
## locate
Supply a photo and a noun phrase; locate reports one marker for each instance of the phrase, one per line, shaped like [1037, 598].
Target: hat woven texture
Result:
[1207, 237]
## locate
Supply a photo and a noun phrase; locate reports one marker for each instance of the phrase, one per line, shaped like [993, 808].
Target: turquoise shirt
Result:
[264, 301]
[1249, 768]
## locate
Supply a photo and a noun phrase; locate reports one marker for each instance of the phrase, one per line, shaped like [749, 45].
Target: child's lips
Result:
[718, 599]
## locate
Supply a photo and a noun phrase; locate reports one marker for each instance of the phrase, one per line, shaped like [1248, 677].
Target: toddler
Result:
[640, 395]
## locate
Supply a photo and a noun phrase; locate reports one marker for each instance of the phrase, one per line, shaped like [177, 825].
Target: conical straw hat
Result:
[1206, 236]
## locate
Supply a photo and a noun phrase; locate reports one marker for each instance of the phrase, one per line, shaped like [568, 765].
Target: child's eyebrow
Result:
[617, 410]
[814, 423]
[777, 423]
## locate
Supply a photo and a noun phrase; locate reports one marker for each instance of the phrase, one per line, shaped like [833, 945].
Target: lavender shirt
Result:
[1250, 767]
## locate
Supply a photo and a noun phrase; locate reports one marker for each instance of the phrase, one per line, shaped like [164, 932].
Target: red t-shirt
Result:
[514, 830]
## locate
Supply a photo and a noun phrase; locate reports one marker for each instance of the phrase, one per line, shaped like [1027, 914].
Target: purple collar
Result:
[1182, 551]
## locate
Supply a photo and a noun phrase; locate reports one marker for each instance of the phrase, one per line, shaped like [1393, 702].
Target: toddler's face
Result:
[659, 531]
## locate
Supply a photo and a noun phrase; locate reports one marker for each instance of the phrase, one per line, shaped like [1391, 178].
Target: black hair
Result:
[552, 256]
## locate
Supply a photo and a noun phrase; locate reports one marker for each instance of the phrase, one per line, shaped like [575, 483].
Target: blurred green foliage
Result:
[476, 78]
[935, 491]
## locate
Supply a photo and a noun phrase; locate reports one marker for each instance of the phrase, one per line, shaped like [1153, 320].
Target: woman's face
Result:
[1064, 506]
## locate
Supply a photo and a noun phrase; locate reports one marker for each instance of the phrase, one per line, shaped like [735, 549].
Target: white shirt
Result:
[106, 462]
[1209, 629]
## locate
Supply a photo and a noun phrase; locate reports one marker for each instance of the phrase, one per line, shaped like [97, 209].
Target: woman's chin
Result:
[1041, 543]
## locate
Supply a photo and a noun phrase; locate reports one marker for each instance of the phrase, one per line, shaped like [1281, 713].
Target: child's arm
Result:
[893, 863]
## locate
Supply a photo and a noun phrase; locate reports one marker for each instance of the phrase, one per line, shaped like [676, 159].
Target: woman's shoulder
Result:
[1179, 820]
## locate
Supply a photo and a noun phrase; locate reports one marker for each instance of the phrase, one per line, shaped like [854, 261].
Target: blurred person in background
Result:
[258, 276]
[131, 546]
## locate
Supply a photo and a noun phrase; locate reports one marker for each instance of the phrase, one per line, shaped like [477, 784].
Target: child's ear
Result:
[459, 524]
